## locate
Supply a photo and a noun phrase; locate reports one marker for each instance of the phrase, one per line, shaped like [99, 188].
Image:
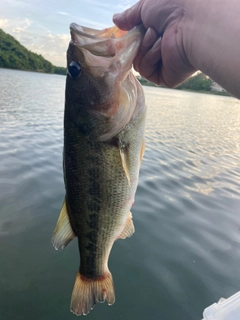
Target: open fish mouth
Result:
[112, 32]
[107, 42]
[105, 58]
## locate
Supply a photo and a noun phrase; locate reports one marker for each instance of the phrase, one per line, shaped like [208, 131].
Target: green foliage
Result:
[15, 56]
[199, 82]
[145, 82]
[60, 70]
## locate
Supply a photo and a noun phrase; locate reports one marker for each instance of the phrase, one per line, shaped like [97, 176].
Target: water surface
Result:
[185, 253]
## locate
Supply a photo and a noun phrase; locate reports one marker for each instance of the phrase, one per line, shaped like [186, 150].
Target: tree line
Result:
[198, 82]
[13, 55]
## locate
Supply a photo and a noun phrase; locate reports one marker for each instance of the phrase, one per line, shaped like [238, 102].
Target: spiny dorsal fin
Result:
[123, 154]
[128, 229]
[63, 232]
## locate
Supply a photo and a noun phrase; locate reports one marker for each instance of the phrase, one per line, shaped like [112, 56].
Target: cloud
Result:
[37, 39]
[22, 26]
[91, 23]
[15, 26]
[3, 23]
[63, 13]
[51, 47]
[26, 22]
[124, 4]
[18, 30]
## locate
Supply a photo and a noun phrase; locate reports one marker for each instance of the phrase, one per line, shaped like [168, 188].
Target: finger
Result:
[176, 67]
[129, 18]
[150, 64]
[148, 41]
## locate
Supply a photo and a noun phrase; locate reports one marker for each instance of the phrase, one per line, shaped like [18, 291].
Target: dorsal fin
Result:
[63, 232]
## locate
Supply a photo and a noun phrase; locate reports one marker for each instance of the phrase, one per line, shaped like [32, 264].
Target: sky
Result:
[42, 26]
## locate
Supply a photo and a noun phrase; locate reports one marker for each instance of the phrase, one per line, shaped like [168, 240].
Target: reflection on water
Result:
[185, 253]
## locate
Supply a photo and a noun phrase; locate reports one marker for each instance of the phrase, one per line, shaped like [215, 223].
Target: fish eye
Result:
[74, 70]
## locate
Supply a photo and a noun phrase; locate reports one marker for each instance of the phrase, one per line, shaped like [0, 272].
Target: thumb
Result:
[129, 18]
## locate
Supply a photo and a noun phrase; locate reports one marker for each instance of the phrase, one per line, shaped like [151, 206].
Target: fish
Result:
[104, 125]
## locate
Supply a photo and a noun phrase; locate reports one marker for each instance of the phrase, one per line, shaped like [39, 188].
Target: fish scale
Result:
[108, 199]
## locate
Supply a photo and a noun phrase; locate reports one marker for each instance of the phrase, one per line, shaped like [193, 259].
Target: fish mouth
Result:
[107, 42]
[112, 32]
[106, 57]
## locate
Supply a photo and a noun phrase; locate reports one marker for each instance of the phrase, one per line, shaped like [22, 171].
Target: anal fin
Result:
[63, 232]
[128, 229]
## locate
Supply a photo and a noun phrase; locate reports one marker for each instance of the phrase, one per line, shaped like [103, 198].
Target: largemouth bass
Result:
[104, 125]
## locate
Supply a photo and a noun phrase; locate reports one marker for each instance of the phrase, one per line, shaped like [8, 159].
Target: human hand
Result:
[163, 56]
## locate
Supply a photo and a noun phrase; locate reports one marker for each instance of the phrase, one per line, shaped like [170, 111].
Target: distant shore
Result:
[198, 83]
[13, 55]
[63, 71]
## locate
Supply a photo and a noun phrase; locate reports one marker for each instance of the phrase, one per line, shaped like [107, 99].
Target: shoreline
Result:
[216, 93]
[143, 83]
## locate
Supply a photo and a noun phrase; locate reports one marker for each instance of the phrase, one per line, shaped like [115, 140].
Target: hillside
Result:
[13, 55]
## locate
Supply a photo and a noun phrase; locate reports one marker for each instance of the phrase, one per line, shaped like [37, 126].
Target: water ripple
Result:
[185, 253]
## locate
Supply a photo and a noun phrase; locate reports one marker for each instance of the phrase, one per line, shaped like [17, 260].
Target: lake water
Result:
[185, 253]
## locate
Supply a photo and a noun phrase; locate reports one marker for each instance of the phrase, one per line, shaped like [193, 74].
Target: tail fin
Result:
[87, 292]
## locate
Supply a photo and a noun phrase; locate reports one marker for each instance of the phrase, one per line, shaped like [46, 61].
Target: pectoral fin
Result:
[128, 229]
[63, 232]
[123, 154]
[142, 151]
